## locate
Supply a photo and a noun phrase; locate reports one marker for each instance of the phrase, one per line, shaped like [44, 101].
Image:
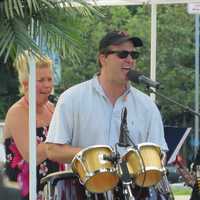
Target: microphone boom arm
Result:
[173, 101]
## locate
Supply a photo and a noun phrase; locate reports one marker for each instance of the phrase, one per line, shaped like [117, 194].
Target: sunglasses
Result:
[125, 54]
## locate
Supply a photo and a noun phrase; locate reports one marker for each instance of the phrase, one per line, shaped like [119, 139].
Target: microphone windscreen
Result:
[133, 76]
[52, 98]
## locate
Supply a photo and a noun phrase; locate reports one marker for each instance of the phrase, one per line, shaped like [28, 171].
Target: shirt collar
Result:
[97, 86]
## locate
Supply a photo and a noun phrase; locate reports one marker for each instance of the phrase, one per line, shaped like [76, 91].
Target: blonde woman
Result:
[16, 131]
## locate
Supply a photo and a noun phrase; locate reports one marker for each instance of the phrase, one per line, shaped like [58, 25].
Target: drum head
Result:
[102, 182]
[149, 178]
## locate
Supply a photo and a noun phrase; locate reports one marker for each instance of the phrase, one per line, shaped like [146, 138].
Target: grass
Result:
[177, 190]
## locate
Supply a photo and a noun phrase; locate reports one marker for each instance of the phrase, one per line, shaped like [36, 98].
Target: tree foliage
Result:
[9, 86]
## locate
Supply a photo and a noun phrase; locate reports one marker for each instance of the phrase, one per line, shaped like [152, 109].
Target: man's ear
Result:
[102, 58]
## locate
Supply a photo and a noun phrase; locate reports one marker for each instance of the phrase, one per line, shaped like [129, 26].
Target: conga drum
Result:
[96, 174]
[144, 164]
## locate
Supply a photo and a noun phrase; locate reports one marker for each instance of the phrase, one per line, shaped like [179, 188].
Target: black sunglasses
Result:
[124, 54]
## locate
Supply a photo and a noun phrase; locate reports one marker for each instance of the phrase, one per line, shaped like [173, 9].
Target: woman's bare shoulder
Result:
[16, 117]
[17, 110]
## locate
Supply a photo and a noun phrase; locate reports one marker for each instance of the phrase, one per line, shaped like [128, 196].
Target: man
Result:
[90, 113]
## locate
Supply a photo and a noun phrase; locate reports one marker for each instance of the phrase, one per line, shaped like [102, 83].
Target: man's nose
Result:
[129, 59]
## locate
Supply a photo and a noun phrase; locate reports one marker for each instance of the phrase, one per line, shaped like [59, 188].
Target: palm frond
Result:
[30, 21]
[14, 38]
[14, 8]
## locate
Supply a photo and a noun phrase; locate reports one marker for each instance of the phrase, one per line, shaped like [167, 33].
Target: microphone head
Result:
[134, 76]
[52, 98]
[137, 77]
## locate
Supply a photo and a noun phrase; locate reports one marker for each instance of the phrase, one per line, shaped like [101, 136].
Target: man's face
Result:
[116, 65]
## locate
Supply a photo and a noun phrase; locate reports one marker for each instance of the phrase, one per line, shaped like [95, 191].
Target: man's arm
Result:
[61, 152]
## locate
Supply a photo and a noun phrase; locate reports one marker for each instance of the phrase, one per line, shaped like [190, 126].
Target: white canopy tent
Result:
[32, 107]
[137, 2]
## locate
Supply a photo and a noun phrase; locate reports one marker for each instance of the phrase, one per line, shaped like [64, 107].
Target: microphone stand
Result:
[123, 142]
[126, 181]
[197, 193]
[173, 101]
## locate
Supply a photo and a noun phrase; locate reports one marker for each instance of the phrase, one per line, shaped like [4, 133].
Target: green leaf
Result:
[20, 6]
[35, 5]
[10, 6]
[9, 49]
[6, 9]
[6, 42]
[16, 7]
[29, 2]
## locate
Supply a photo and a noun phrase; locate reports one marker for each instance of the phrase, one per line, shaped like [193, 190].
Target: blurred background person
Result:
[10, 191]
[16, 130]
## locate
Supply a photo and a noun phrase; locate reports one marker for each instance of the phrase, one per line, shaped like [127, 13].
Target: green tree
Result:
[176, 60]
[9, 89]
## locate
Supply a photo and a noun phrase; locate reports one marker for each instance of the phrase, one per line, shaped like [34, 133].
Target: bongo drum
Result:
[96, 174]
[144, 164]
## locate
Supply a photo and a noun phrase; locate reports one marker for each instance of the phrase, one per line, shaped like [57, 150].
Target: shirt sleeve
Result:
[156, 129]
[60, 130]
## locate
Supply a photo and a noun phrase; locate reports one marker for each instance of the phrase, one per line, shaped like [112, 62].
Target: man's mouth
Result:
[126, 69]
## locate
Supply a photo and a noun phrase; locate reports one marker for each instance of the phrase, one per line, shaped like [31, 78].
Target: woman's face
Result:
[44, 84]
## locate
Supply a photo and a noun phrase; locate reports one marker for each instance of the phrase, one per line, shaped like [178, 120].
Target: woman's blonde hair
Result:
[22, 66]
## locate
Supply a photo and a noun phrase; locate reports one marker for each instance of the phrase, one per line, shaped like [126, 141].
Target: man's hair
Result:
[115, 38]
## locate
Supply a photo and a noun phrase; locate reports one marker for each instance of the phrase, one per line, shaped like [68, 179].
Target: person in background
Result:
[8, 191]
[16, 129]
[90, 113]
[195, 195]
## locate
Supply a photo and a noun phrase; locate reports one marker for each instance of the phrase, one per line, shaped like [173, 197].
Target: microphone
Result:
[53, 99]
[112, 158]
[137, 77]
[123, 138]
